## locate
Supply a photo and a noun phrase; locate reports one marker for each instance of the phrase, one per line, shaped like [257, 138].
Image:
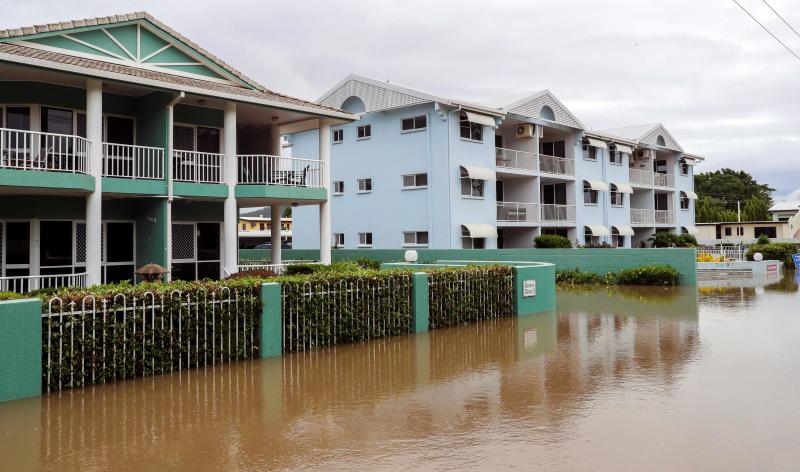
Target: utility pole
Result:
[738, 211]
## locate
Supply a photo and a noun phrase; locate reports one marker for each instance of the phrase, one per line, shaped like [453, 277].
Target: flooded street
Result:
[616, 379]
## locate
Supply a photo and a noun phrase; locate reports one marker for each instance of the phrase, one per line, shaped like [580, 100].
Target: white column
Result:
[94, 201]
[275, 234]
[325, 207]
[230, 237]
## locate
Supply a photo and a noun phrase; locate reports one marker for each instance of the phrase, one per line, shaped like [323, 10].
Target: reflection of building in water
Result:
[537, 370]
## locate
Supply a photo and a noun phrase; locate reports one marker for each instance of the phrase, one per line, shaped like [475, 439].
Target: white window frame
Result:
[473, 127]
[367, 182]
[683, 197]
[588, 237]
[684, 167]
[589, 152]
[366, 237]
[340, 133]
[338, 239]
[594, 196]
[614, 195]
[194, 257]
[416, 181]
[363, 132]
[613, 154]
[416, 238]
[617, 240]
[194, 144]
[340, 190]
[414, 128]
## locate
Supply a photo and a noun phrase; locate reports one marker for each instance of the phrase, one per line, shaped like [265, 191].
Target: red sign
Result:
[772, 267]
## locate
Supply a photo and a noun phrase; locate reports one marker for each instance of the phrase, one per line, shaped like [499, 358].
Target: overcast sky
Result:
[719, 83]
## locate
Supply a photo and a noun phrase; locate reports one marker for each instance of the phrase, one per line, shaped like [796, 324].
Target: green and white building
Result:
[124, 143]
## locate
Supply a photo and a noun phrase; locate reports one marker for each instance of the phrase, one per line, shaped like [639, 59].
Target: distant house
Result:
[255, 230]
[747, 232]
[784, 211]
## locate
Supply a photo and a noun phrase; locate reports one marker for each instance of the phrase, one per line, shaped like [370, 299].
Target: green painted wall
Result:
[42, 206]
[593, 260]
[199, 116]
[197, 211]
[270, 338]
[189, 189]
[545, 298]
[280, 192]
[134, 186]
[62, 96]
[420, 311]
[20, 349]
[14, 178]
[151, 119]
[151, 232]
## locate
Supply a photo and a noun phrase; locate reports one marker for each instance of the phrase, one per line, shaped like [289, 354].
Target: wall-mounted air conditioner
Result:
[526, 130]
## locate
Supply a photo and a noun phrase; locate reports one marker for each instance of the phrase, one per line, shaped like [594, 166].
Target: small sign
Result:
[529, 288]
[796, 258]
[772, 267]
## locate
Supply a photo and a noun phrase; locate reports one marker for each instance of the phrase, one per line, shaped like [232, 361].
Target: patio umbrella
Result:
[151, 272]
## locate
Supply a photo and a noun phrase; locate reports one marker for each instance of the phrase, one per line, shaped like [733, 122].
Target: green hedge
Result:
[551, 241]
[656, 275]
[774, 252]
[467, 294]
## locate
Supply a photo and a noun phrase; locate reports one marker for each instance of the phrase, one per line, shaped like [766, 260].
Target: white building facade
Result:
[419, 170]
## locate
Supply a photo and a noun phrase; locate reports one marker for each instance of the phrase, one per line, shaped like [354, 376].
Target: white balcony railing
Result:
[663, 180]
[28, 283]
[43, 151]
[556, 165]
[733, 254]
[517, 212]
[558, 213]
[665, 217]
[133, 162]
[201, 167]
[275, 170]
[642, 216]
[513, 159]
[641, 177]
[278, 269]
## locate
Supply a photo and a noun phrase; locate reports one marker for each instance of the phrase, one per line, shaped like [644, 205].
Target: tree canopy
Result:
[718, 192]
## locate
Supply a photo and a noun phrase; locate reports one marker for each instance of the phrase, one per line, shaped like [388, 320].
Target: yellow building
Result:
[257, 230]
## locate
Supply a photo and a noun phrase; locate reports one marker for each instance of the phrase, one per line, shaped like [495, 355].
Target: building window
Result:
[588, 237]
[338, 239]
[739, 231]
[415, 238]
[338, 136]
[768, 231]
[364, 185]
[589, 195]
[364, 132]
[617, 240]
[616, 196]
[18, 118]
[684, 201]
[262, 226]
[411, 181]
[471, 243]
[338, 187]
[252, 226]
[244, 226]
[589, 152]
[471, 187]
[470, 130]
[554, 148]
[727, 231]
[615, 157]
[416, 123]
[684, 167]
[364, 239]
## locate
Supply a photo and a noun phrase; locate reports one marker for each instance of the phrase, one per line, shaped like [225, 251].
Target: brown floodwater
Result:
[615, 379]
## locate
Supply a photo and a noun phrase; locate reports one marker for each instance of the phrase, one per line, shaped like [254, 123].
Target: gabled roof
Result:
[647, 134]
[785, 206]
[530, 104]
[114, 48]
[380, 95]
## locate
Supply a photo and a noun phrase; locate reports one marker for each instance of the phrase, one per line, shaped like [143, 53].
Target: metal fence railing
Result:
[133, 162]
[516, 212]
[557, 213]
[201, 167]
[640, 216]
[513, 159]
[665, 217]
[95, 340]
[469, 294]
[20, 149]
[556, 165]
[277, 170]
[278, 269]
[724, 254]
[29, 283]
[640, 177]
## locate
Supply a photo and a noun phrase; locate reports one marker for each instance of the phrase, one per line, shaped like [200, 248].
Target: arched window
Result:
[354, 105]
[684, 201]
[546, 113]
[617, 240]
[684, 167]
[615, 195]
[660, 141]
[589, 194]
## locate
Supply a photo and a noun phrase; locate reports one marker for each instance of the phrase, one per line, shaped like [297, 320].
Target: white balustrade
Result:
[276, 170]
[665, 217]
[558, 213]
[640, 177]
[640, 216]
[517, 212]
[556, 165]
[513, 159]
[33, 150]
[201, 167]
[28, 283]
[133, 162]
[663, 180]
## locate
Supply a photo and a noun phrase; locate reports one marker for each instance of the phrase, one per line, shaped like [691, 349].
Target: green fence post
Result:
[20, 349]
[541, 289]
[271, 340]
[419, 302]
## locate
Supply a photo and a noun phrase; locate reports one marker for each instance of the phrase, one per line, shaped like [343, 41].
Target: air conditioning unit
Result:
[526, 131]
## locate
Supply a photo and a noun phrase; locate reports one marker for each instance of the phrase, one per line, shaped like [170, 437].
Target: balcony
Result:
[261, 169]
[513, 159]
[646, 178]
[199, 167]
[133, 162]
[33, 150]
[556, 165]
[665, 217]
[554, 213]
[664, 180]
[642, 216]
[29, 283]
[515, 212]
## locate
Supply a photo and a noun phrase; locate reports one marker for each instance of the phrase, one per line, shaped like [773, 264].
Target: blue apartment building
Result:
[420, 170]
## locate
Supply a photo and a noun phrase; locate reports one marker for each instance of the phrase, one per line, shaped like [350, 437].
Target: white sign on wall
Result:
[529, 288]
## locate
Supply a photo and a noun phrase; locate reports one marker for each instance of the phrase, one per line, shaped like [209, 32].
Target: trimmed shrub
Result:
[663, 275]
[367, 263]
[763, 239]
[462, 295]
[578, 277]
[260, 273]
[665, 239]
[774, 251]
[10, 296]
[552, 241]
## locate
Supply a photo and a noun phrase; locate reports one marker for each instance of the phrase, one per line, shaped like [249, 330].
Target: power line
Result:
[782, 19]
[767, 30]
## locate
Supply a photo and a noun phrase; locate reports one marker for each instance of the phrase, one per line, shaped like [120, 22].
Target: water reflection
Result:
[454, 398]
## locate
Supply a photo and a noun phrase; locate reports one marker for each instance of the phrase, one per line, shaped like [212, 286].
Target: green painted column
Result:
[270, 339]
[541, 287]
[20, 349]
[419, 302]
